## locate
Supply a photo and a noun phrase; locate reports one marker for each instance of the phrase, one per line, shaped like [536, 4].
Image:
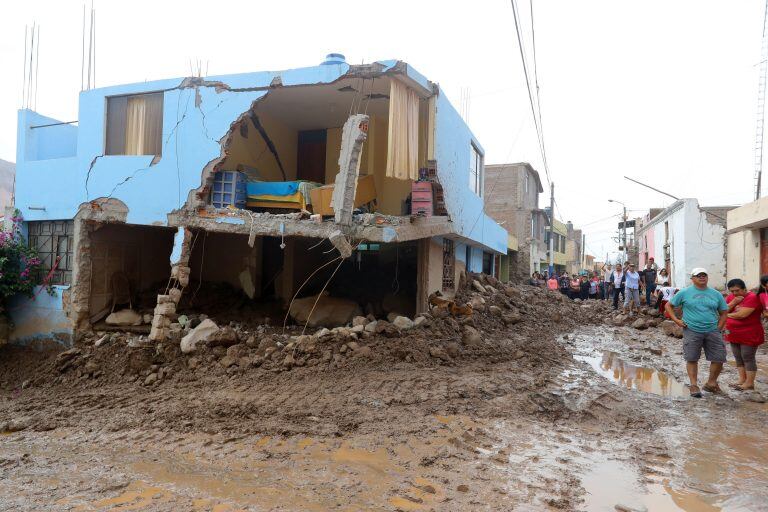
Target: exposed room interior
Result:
[294, 134]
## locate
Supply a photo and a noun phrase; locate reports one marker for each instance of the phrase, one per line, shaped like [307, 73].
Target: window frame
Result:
[124, 119]
[476, 170]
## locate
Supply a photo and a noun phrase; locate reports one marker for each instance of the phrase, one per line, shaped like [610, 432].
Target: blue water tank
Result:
[334, 58]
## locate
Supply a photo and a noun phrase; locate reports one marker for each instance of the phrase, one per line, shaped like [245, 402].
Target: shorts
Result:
[711, 342]
[632, 294]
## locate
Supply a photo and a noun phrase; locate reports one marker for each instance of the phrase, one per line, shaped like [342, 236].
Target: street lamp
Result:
[623, 226]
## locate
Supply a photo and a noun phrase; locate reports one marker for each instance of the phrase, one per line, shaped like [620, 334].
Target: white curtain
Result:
[403, 140]
[144, 125]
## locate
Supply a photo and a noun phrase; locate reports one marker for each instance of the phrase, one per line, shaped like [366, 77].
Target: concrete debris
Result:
[477, 286]
[353, 135]
[329, 311]
[670, 328]
[125, 317]
[198, 334]
[403, 323]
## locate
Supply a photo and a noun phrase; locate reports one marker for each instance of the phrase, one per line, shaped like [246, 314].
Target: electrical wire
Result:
[536, 119]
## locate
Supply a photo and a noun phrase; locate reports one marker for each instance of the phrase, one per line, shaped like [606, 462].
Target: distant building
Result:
[684, 236]
[748, 242]
[574, 251]
[7, 175]
[512, 199]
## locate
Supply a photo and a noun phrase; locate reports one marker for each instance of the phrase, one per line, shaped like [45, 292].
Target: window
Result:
[53, 242]
[449, 258]
[135, 125]
[476, 171]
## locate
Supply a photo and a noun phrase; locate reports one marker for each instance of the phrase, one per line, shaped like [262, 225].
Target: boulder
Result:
[359, 320]
[511, 318]
[198, 334]
[471, 337]
[640, 324]
[329, 311]
[620, 320]
[371, 326]
[419, 321]
[453, 349]
[670, 328]
[125, 317]
[224, 337]
[479, 287]
[237, 351]
[403, 323]
[439, 353]
[495, 310]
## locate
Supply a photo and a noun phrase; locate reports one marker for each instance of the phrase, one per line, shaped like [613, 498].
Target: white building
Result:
[685, 236]
[748, 242]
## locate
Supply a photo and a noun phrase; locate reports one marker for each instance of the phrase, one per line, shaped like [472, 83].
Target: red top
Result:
[749, 330]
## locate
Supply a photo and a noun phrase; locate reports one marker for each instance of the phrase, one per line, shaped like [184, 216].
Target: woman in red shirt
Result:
[745, 331]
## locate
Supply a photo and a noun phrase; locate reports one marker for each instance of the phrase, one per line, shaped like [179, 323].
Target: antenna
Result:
[761, 108]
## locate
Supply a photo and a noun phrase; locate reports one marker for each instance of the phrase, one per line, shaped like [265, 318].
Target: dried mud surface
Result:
[430, 418]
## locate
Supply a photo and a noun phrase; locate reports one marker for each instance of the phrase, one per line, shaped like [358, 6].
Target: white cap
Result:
[699, 270]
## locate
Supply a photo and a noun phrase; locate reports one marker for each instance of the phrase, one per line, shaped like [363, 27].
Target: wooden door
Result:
[310, 160]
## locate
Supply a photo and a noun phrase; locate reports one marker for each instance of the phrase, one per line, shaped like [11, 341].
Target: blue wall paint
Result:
[453, 143]
[46, 142]
[41, 318]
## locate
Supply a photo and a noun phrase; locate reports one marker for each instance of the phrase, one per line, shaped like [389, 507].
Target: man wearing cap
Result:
[704, 316]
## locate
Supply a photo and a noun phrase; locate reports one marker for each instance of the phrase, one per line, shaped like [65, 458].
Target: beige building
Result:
[747, 245]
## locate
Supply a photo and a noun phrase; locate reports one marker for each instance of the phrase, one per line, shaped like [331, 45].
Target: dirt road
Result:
[511, 423]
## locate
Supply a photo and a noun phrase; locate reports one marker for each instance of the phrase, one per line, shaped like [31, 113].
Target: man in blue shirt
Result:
[704, 316]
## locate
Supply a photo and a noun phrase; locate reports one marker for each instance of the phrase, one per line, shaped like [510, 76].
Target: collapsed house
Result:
[359, 183]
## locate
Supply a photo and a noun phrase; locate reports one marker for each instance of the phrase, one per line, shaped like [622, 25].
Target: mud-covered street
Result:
[557, 411]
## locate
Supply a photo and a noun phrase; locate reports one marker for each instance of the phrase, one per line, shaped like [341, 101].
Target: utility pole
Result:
[624, 234]
[552, 229]
[583, 251]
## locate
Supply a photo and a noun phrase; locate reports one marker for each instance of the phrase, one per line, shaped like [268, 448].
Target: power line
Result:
[536, 120]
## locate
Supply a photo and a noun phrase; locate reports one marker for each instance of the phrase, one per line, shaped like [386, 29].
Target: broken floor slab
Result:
[370, 227]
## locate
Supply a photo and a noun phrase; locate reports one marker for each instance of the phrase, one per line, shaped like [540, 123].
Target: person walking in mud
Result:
[606, 287]
[704, 315]
[744, 331]
[648, 275]
[616, 279]
[631, 290]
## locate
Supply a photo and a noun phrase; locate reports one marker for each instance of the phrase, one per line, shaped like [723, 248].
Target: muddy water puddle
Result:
[648, 380]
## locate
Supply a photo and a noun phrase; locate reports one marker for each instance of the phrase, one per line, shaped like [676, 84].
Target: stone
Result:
[463, 488]
[183, 320]
[251, 342]
[322, 333]
[237, 351]
[289, 362]
[359, 320]
[439, 353]
[329, 311]
[358, 328]
[495, 310]
[198, 334]
[151, 379]
[124, 317]
[640, 324]
[471, 337]
[224, 337]
[419, 321]
[477, 303]
[101, 341]
[403, 323]
[193, 363]
[619, 320]
[146, 318]
[17, 424]
[654, 351]
[477, 286]
[165, 309]
[228, 361]
[511, 318]
[364, 352]
[670, 328]
[391, 316]
[453, 349]
[353, 345]
[265, 344]
[371, 326]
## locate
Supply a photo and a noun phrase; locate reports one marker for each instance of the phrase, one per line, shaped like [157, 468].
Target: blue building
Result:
[121, 201]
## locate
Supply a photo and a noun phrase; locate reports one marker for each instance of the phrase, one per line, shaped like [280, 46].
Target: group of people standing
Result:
[709, 320]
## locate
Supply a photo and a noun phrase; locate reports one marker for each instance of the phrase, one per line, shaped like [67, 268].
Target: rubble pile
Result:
[489, 320]
[645, 319]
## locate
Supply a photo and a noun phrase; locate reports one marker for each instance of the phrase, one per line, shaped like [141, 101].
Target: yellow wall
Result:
[253, 151]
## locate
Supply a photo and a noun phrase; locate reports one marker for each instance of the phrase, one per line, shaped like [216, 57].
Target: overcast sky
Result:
[662, 91]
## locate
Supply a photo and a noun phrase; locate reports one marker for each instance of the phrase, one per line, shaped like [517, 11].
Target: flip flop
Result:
[735, 386]
[695, 394]
[739, 387]
[712, 389]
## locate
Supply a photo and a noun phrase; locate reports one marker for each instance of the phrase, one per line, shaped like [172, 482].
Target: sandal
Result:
[735, 386]
[740, 387]
[712, 389]
[697, 393]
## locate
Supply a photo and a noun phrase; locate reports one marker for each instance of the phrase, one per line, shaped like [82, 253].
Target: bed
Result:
[292, 195]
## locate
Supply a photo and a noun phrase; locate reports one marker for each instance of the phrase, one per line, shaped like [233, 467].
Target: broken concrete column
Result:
[180, 271]
[354, 133]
